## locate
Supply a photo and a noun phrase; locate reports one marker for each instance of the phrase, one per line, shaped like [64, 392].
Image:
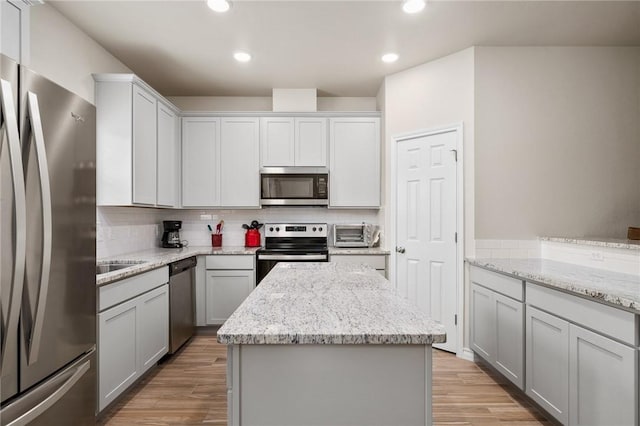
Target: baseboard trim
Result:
[466, 354]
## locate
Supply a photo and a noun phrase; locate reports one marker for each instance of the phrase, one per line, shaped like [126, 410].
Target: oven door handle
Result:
[292, 257]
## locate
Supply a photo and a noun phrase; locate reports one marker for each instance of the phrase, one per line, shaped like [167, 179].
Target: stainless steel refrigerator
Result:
[47, 252]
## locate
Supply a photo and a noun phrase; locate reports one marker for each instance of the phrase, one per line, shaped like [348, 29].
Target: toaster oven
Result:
[356, 235]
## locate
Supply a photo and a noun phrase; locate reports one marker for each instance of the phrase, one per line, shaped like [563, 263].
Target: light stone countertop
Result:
[328, 303]
[612, 288]
[358, 251]
[598, 242]
[158, 257]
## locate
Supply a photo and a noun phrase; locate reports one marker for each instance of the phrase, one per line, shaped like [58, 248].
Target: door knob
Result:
[400, 249]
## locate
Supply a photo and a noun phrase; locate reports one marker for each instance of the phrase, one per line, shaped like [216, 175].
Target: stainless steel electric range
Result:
[291, 242]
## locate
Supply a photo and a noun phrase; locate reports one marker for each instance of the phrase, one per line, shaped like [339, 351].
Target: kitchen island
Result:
[328, 344]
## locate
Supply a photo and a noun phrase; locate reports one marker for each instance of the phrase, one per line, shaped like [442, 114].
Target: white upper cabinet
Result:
[145, 146]
[277, 142]
[136, 142]
[14, 30]
[288, 142]
[168, 156]
[354, 178]
[200, 161]
[239, 166]
[311, 141]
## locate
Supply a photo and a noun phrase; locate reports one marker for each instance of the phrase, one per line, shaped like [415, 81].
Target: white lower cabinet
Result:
[132, 334]
[547, 362]
[229, 280]
[602, 382]
[497, 322]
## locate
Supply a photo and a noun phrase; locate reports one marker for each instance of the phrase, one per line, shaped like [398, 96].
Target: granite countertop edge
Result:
[331, 339]
[597, 242]
[358, 251]
[159, 257]
[571, 286]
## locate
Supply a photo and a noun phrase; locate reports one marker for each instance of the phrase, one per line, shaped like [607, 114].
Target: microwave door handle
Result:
[10, 124]
[45, 192]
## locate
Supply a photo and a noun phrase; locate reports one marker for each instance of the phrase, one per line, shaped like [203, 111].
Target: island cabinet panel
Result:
[200, 161]
[144, 146]
[497, 322]
[168, 156]
[547, 362]
[239, 163]
[602, 383]
[354, 164]
[372, 385]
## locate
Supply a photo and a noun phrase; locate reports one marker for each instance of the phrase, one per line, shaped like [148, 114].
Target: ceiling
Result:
[182, 48]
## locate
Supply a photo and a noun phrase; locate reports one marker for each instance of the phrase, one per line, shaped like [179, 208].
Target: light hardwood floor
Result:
[189, 389]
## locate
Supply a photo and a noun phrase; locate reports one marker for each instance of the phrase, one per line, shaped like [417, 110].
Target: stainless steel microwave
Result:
[294, 186]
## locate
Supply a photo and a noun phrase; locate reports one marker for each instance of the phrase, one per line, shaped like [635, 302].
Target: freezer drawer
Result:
[68, 397]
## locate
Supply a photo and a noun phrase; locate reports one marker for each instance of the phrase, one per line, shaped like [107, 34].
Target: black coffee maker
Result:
[171, 234]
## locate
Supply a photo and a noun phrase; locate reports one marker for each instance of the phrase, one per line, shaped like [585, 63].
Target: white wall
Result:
[122, 230]
[561, 126]
[64, 54]
[265, 103]
[432, 95]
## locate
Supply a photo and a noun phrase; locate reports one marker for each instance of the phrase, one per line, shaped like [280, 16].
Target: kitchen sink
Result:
[116, 265]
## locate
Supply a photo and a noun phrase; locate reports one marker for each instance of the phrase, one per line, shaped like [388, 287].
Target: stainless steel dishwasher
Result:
[182, 324]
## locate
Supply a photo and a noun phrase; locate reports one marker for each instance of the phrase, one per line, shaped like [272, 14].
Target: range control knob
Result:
[271, 229]
[314, 229]
[320, 229]
[277, 229]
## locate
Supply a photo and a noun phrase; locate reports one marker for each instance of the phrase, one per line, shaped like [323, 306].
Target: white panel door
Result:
[239, 165]
[154, 326]
[354, 178]
[225, 291]
[603, 380]
[168, 156]
[144, 147]
[200, 161]
[426, 255]
[311, 141]
[277, 142]
[117, 351]
[547, 362]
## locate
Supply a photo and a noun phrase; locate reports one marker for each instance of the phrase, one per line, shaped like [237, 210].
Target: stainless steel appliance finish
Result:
[47, 247]
[294, 186]
[182, 323]
[357, 235]
[291, 242]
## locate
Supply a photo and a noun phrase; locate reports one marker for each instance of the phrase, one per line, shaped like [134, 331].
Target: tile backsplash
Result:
[507, 249]
[122, 230]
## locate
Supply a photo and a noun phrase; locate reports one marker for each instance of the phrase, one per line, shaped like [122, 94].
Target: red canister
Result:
[252, 238]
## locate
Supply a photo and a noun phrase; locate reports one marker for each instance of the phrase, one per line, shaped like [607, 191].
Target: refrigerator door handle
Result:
[45, 192]
[17, 174]
[45, 400]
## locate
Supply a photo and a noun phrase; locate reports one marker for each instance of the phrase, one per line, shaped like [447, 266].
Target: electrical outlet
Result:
[597, 255]
[205, 217]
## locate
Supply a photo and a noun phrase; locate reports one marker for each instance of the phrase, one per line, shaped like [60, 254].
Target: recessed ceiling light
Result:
[219, 5]
[413, 6]
[242, 56]
[389, 57]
